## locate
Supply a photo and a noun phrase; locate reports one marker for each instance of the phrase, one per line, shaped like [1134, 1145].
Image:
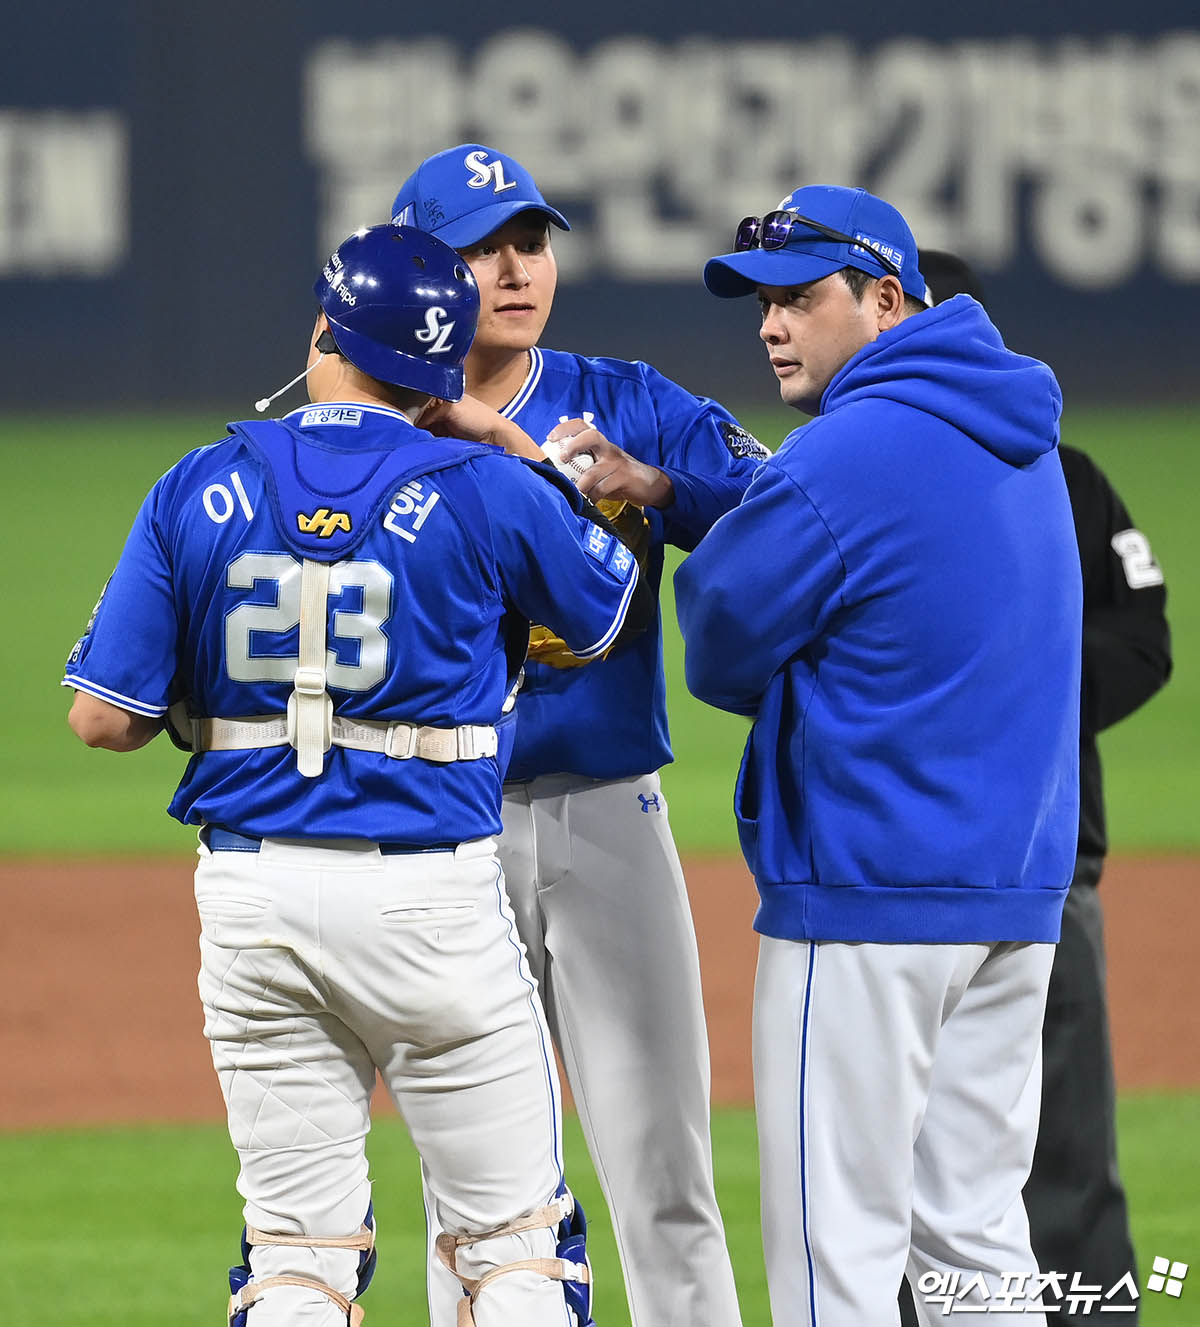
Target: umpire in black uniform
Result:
[1078, 1217]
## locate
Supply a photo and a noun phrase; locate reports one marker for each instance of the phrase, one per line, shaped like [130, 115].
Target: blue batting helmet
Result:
[402, 307]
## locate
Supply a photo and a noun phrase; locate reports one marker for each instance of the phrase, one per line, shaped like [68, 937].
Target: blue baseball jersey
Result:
[609, 720]
[427, 617]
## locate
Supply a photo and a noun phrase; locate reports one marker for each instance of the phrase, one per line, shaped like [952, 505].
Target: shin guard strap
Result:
[363, 1239]
[245, 1297]
[541, 1218]
[556, 1269]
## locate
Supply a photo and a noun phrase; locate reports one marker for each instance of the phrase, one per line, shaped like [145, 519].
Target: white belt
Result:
[398, 740]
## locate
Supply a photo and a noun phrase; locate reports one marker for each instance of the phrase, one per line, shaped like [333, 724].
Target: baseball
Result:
[573, 467]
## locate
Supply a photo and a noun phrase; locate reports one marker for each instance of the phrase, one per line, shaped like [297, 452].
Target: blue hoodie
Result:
[897, 602]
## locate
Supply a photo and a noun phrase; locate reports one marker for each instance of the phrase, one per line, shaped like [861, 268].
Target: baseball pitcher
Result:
[591, 865]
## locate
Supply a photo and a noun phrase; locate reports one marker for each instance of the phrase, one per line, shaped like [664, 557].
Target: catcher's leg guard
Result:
[572, 1249]
[570, 1265]
[246, 1291]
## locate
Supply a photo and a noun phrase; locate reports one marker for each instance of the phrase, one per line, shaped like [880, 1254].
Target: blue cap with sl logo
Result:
[818, 230]
[463, 194]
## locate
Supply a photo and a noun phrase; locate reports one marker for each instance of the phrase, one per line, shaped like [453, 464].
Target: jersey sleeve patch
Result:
[612, 555]
[742, 443]
[87, 631]
[598, 543]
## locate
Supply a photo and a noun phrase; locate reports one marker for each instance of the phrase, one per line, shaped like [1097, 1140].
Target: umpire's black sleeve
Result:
[1126, 639]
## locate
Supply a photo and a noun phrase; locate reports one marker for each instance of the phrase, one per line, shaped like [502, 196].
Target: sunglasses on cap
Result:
[774, 230]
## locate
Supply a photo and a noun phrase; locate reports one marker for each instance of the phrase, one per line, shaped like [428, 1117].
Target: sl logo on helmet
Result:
[323, 522]
[437, 331]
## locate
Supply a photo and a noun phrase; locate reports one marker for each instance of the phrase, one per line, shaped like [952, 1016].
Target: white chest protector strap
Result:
[310, 706]
[556, 1269]
[397, 739]
[310, 724]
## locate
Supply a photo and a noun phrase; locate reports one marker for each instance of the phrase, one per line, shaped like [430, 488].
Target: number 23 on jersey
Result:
[361, 661]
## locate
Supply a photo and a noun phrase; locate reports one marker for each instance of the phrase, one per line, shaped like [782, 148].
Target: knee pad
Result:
[569, 1266]
[246, 1291]
[572, 1248]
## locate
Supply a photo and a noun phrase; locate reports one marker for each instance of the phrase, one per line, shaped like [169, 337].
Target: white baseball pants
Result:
[600, 901]
[897, 1090]
[320, 964]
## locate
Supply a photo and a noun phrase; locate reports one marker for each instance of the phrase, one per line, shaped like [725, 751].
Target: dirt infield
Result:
[100, 1021]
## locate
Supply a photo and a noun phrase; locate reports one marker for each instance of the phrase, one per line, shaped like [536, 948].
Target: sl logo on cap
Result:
[485, 172]
[323, 522]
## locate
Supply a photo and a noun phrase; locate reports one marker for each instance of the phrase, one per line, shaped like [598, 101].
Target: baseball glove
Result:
[629, 524]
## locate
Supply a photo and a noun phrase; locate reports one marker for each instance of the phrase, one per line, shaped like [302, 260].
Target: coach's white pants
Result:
[320, 964]
[602, 907]
[897, 1092]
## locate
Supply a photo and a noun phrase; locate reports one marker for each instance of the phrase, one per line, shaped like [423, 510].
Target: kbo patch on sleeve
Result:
[741, 443]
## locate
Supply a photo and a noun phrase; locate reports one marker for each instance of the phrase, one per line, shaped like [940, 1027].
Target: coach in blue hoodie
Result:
[897, 604]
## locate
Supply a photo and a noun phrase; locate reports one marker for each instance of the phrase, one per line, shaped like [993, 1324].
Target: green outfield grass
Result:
[73, 486]
[135, 1226]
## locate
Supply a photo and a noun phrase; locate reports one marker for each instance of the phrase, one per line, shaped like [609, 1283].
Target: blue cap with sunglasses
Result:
[463, 194]
[816, 231]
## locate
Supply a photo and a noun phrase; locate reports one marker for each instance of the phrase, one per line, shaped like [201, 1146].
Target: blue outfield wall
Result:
[172, 176]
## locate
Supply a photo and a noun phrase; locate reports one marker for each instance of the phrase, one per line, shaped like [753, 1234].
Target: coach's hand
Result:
[615, 473]
[473, 421]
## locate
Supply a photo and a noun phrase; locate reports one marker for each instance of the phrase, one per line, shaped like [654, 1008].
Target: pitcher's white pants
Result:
[897, 1090]
[320, 964]
[602, 907]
